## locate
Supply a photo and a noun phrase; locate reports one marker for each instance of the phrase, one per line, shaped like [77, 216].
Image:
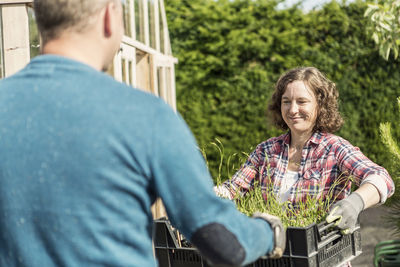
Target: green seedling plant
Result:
[311, 209]
[229, 163]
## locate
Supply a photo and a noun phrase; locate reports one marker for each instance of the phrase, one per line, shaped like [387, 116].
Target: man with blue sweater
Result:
[83, 157]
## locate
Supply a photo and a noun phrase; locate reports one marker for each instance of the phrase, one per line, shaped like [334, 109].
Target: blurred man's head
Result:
[99, 21]
[56, 16]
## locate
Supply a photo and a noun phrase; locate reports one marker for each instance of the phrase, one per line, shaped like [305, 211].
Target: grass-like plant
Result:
[311, 209]
[228, 163]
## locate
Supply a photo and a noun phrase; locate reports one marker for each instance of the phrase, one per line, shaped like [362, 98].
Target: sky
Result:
[307, 4]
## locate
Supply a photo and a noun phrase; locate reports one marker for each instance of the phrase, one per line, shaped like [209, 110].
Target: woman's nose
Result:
[293, 108]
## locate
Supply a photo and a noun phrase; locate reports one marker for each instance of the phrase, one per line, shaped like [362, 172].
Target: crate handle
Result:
[328, 239]
[323, 226]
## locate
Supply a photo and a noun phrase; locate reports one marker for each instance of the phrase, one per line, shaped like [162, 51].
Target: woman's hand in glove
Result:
[345, 213]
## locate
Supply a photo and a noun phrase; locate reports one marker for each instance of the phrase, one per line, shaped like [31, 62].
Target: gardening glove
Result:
[279, 234]
[346, 213]
[222, 191]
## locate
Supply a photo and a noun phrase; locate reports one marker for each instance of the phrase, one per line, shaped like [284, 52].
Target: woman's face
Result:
[299, 107]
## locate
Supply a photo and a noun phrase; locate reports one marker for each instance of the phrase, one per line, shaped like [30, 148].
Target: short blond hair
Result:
[55, 16]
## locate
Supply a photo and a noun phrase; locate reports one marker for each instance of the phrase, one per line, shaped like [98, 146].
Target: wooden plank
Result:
[128, 51]
[167, 44]
[132, 18]
[172, 88]
[163, 89]
[167, 80]
[157, 25]
[15, 38]
[143, 71]
[153, 75]
[131, 42]
[126, 71]
[10, 2]
[134, 81]
[156, 80]
[146, 23]
[117, 67]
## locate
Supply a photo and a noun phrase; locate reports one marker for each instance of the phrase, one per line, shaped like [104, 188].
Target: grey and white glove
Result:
[345, 212]
[222, 191]
[279, 234]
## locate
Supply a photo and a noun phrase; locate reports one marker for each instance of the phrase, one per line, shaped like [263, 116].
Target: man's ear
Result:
[108, 19]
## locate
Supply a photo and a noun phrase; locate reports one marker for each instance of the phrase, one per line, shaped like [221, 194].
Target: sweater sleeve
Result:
[183, 182]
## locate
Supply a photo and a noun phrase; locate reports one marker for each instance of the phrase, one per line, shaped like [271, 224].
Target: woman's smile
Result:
[299, 107]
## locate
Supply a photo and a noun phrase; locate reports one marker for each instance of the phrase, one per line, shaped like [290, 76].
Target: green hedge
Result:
[231, 53]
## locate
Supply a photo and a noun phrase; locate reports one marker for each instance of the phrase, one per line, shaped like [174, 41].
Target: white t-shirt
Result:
[288, 181]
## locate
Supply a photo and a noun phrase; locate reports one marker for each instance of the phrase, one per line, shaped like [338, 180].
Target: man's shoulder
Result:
[71, 78]
[104, 84]
[108, 83]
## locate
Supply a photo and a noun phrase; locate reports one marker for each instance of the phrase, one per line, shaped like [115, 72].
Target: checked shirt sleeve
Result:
[242, 181]
[353, 162]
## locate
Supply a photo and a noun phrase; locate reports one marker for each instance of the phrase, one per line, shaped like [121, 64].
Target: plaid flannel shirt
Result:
[327, 161]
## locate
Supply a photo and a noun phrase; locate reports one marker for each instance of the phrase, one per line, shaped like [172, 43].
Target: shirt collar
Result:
[286, 138]
[316, 138]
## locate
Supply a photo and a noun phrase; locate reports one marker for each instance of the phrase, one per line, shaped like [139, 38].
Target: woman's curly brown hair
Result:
[328, 116]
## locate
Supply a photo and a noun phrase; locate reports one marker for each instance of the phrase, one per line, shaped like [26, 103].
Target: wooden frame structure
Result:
[144, 61]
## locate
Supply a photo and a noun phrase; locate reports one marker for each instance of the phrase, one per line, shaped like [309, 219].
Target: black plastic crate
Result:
[314, 246]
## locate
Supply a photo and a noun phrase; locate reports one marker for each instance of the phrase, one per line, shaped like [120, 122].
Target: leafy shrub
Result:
[232, 52]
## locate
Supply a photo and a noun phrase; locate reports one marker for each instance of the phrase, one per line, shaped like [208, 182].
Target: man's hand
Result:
[279, 234]
[345, 213]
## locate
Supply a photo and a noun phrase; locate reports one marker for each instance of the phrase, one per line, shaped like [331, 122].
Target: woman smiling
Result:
[309, 158]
